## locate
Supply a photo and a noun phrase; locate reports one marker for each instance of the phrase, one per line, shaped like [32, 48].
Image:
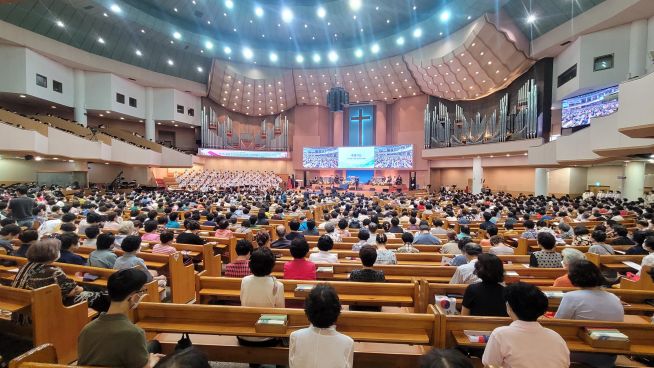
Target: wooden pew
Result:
[634, 301]
[638, 328]
[350, 293]
[44, 354]
[646, 281]
[382, 339]
[615, 262]
[52, 322]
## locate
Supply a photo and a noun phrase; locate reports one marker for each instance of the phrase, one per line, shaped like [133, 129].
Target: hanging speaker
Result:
[337, 98]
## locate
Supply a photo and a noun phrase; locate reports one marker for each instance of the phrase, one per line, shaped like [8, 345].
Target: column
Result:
[477, 175]
[80, 97]
[149, 115]
[649, 65]
[541, 181]
[634, 182]
[338, 128]
[638, 48]
[380, 124]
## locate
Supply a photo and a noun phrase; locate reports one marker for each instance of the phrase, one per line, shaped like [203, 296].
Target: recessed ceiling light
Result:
[299, 58]
[469, 17]
[417, 33]
[248, 53]
[122, 118]
[321, 12]
[200, 69]
[101, 115]
[171, 62]
[175, 10]
[208, 45]
[287, 15]
[358, 53]
[138, 53]
[316, 58]
[374, 48]
[333, 56]
[229, 4]
[142, 30]
[227, 50]
[101, 40]
[71, 160]
[177, 35]
[115, 8]
[22, 96]
[60, 24]
[38, 158]
[105, 14]
[258, 11]
[531, 18]
[400, 41]
[445, 16]
[274, 57]
[355, 4]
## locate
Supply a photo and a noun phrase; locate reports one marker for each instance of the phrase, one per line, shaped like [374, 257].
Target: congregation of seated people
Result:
[471, 232]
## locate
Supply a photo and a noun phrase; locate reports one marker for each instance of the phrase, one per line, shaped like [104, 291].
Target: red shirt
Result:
[238, 268]
[300, 269]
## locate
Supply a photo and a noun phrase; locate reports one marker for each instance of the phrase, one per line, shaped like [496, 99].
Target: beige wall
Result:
[21, 171]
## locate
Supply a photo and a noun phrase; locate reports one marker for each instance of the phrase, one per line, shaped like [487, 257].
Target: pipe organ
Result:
[223, 134]
[445, 128]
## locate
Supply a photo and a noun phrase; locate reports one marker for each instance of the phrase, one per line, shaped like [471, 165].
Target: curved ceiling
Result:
[181, 37]
[473, 63]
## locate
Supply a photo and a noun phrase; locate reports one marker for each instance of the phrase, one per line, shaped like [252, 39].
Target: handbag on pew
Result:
[183, 343]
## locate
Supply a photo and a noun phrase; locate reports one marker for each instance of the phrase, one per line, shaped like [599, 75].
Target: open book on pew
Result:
[631, 264]
[302, 290]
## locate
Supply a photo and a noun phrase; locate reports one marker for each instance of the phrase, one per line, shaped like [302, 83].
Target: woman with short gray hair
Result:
[570, 255]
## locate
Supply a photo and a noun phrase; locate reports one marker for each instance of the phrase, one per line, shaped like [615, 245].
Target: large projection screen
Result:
[371, 157]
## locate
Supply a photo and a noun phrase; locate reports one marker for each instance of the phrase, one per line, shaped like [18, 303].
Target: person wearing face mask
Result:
[128, 347]
[39, 272]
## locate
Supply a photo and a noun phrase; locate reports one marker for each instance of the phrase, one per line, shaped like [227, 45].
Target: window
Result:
[603, 62]
[191, 112]
[132, 102]
[180, 109]
[120, 98]
[567, 76]
[41, 81]
[57, 86]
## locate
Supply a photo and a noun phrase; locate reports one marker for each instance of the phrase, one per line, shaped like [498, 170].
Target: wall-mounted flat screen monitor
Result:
[577, 111]
[243, 154]
[370, 157]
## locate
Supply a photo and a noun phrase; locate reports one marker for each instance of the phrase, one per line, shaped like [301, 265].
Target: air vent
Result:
[566, 43]
[132, 79]
[88, 7]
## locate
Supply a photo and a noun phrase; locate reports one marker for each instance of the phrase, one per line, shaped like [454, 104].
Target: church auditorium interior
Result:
[326, 183]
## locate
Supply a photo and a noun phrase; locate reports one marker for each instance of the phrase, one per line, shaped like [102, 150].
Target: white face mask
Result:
[135, 304]
[58, 256]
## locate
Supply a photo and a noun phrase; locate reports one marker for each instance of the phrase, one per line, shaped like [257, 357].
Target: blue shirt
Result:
[71, 258]
[130, 260]
[172, 225]
[426, 239]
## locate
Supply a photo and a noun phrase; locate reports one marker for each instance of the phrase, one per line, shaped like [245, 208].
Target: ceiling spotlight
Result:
[138, 53]
[445, 16]
[374, 48]
[171, 62]
[177, 35]
[417, 33]
[299, 58]
[358, 53]
[38, 158]
[274, 57]
[60, 24]
[287, 15]
[531, 18]
[355, 4]
[22, 96]
[227, 50]
[71, 160]
[248, 53]
[321, 12]
[200, 70]
[229, 4]
[208, 45]
[316, 58]
[400, 41]
[115, 8]
[258, 11]
[332, 56]
[101, 40]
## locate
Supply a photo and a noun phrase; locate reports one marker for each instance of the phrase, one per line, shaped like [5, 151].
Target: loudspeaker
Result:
[306, 183]
[337, 98]
[29, 157]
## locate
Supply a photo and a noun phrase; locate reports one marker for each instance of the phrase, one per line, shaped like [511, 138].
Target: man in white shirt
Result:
[525, 343]
[465, 274]
[320, 345]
